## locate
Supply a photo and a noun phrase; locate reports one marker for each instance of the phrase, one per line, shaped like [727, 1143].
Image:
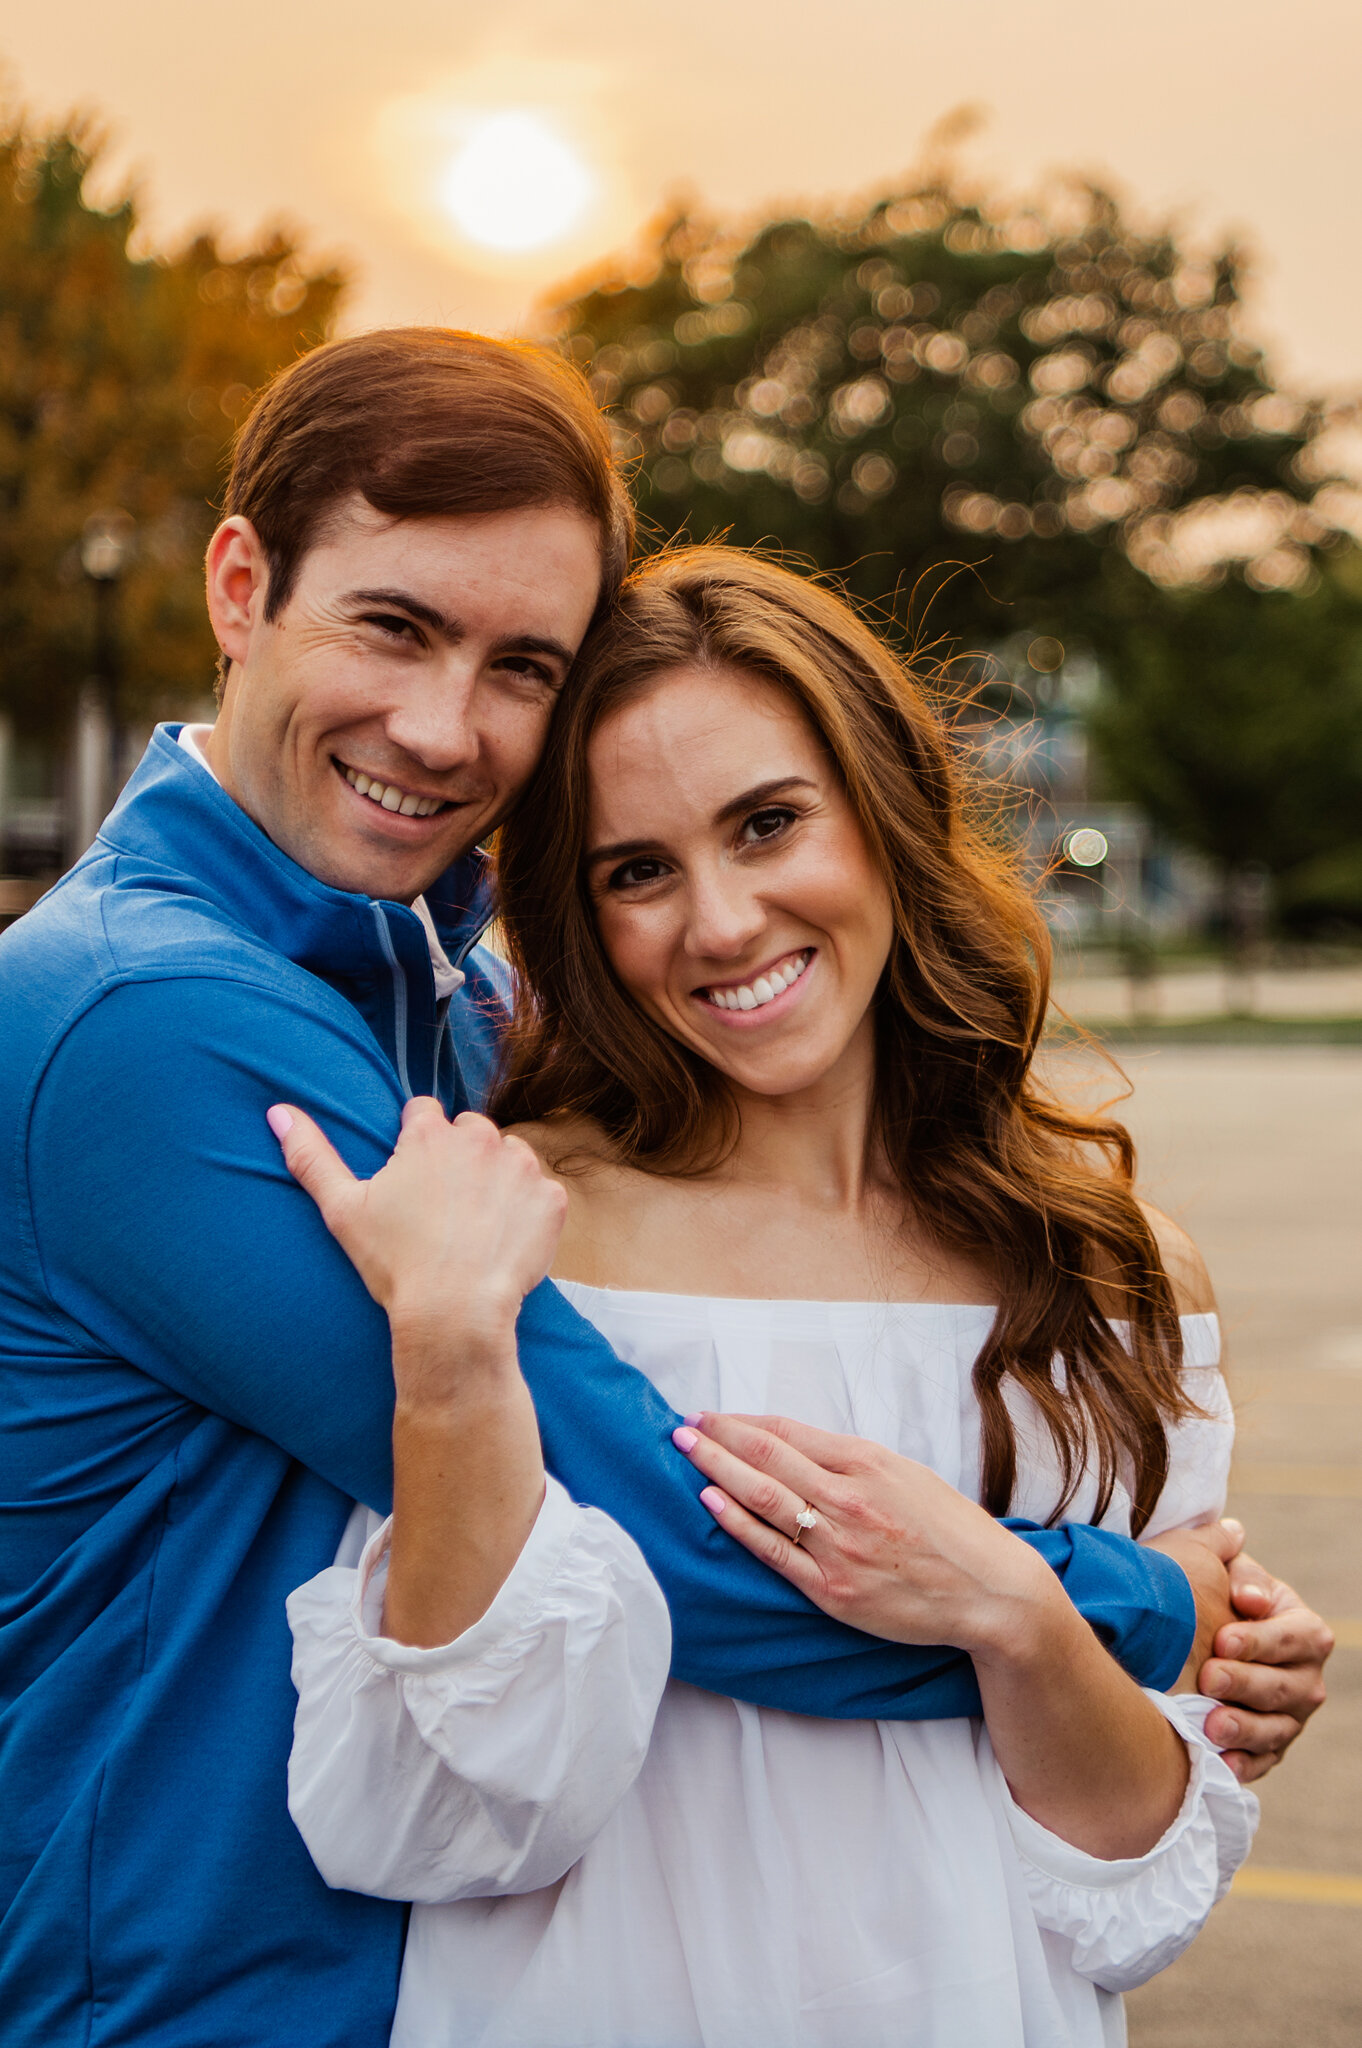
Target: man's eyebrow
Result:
[454, 629]
[534, 643]
[415, 607]
[751, 799]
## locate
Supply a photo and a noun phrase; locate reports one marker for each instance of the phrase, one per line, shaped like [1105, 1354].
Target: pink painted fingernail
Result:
[714, 1500]
[696, 1419]
[685, 1439]
[279, 1120]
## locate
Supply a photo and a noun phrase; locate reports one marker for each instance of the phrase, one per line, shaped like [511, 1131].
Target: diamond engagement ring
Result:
[805, 1520]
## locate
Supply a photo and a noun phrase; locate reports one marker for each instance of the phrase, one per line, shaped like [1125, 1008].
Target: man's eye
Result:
[635, 874]
[530, 671]
[393, 625]
[766, 824]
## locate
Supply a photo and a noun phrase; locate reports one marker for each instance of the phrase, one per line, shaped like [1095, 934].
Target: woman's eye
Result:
[635, 874]
[766, 824]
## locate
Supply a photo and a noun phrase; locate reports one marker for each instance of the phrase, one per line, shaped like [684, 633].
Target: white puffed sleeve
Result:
[1128, 1920]
[483, 1767]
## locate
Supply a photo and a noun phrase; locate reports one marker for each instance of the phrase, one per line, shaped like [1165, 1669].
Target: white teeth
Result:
[391, 797]
[763, 990]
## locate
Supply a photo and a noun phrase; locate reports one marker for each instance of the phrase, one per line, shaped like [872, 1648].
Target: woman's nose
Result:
[725, 916]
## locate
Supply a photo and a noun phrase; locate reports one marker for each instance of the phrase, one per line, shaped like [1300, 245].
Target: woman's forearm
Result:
[1083, 1751]
[468, 1481]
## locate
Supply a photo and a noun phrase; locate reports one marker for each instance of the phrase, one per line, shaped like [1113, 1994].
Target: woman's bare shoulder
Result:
[570, 1148]
[600, 1213]
[1183, 1263]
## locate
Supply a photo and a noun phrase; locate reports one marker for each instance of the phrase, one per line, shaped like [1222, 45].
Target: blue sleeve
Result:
[738, 1628]
[171, 1235]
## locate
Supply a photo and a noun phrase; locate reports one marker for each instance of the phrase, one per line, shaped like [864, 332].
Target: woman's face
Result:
[735, 894]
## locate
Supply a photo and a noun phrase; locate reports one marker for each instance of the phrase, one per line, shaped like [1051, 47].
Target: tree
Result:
[1234, 719]
[122, 377]
[1074, 411]
[929, 383]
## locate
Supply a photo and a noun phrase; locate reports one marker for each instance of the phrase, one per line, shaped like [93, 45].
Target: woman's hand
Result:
[448, 1237]
[456, 1229]
[894, 1550]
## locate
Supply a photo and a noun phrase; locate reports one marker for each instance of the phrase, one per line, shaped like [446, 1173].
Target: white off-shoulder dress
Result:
[604, 1859]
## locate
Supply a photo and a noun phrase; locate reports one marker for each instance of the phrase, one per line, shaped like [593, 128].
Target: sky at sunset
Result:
[464, 159]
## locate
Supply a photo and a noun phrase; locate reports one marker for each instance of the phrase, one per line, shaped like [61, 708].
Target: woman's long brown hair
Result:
[1038, 1194]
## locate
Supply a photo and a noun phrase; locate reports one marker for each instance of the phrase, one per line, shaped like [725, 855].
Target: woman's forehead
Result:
[690, 735]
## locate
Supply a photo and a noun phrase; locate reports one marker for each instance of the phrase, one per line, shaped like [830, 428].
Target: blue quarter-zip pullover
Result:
[194, 1386]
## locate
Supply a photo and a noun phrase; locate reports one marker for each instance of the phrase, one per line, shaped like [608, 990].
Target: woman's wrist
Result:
[1024, 1617]
[445, 1357]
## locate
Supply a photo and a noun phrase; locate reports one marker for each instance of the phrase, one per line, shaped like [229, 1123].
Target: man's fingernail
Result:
[1229, 1731]
[1250, 1592]
[696, 1420]
[279, 1120]
[686, 1440]
[1234, 1647]
[1217, 1684]
[1228, 1522]
[714, 1500]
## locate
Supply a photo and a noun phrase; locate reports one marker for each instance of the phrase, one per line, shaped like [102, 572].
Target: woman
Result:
[780, 1002]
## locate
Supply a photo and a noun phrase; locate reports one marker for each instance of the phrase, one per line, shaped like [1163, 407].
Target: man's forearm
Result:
[741, 1630]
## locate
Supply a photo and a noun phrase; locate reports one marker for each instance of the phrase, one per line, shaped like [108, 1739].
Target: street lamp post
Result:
[105, 548]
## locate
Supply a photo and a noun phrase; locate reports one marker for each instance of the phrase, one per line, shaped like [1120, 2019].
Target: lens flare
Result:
[515, 185]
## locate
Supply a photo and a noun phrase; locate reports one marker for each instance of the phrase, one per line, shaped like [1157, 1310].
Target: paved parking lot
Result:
[1259, 1154]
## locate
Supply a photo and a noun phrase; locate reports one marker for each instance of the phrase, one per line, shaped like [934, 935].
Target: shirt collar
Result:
[448, 977]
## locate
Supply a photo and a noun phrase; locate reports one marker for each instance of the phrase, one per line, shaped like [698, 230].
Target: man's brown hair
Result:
[423, 422]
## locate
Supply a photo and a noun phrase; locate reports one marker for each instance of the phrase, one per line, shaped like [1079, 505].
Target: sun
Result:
[515, 185]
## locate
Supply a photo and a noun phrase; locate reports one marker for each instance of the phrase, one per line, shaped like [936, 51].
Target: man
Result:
[196, 1386]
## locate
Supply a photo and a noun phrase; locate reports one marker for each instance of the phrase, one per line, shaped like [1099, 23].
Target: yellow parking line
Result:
[1347, 1634]
[1298, 1887]
[1326, 1482]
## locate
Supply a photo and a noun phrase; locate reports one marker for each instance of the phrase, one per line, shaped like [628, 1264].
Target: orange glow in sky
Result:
[466, 159]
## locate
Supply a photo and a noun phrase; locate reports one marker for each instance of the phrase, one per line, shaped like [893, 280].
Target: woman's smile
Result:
[763, 992]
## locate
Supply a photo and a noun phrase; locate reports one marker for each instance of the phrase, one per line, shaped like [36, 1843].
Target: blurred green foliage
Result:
[1235, 720]
[1069, 409]
[121, 380]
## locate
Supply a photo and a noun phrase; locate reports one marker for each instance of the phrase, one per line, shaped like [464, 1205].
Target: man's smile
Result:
[393, 797]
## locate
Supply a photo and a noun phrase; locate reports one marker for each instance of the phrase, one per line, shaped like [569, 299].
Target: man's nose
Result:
[436, 725]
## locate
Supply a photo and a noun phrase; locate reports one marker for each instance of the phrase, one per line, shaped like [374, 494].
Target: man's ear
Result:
[237, 576]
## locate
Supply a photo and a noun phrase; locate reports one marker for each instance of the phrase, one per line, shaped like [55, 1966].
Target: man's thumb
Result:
[311, 1158]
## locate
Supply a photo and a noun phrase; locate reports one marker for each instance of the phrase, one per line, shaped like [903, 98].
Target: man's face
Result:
[383, 723]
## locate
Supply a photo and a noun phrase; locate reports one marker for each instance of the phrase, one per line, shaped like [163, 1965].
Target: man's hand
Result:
[1267, 1670]
[1259, 1650]
[1206, 1556]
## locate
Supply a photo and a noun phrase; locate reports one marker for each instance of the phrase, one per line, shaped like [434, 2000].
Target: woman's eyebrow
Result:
[751, 799]
[623, 849]
[762, 793]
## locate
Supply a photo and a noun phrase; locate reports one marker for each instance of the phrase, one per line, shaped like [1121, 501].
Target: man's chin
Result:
[388, 874]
